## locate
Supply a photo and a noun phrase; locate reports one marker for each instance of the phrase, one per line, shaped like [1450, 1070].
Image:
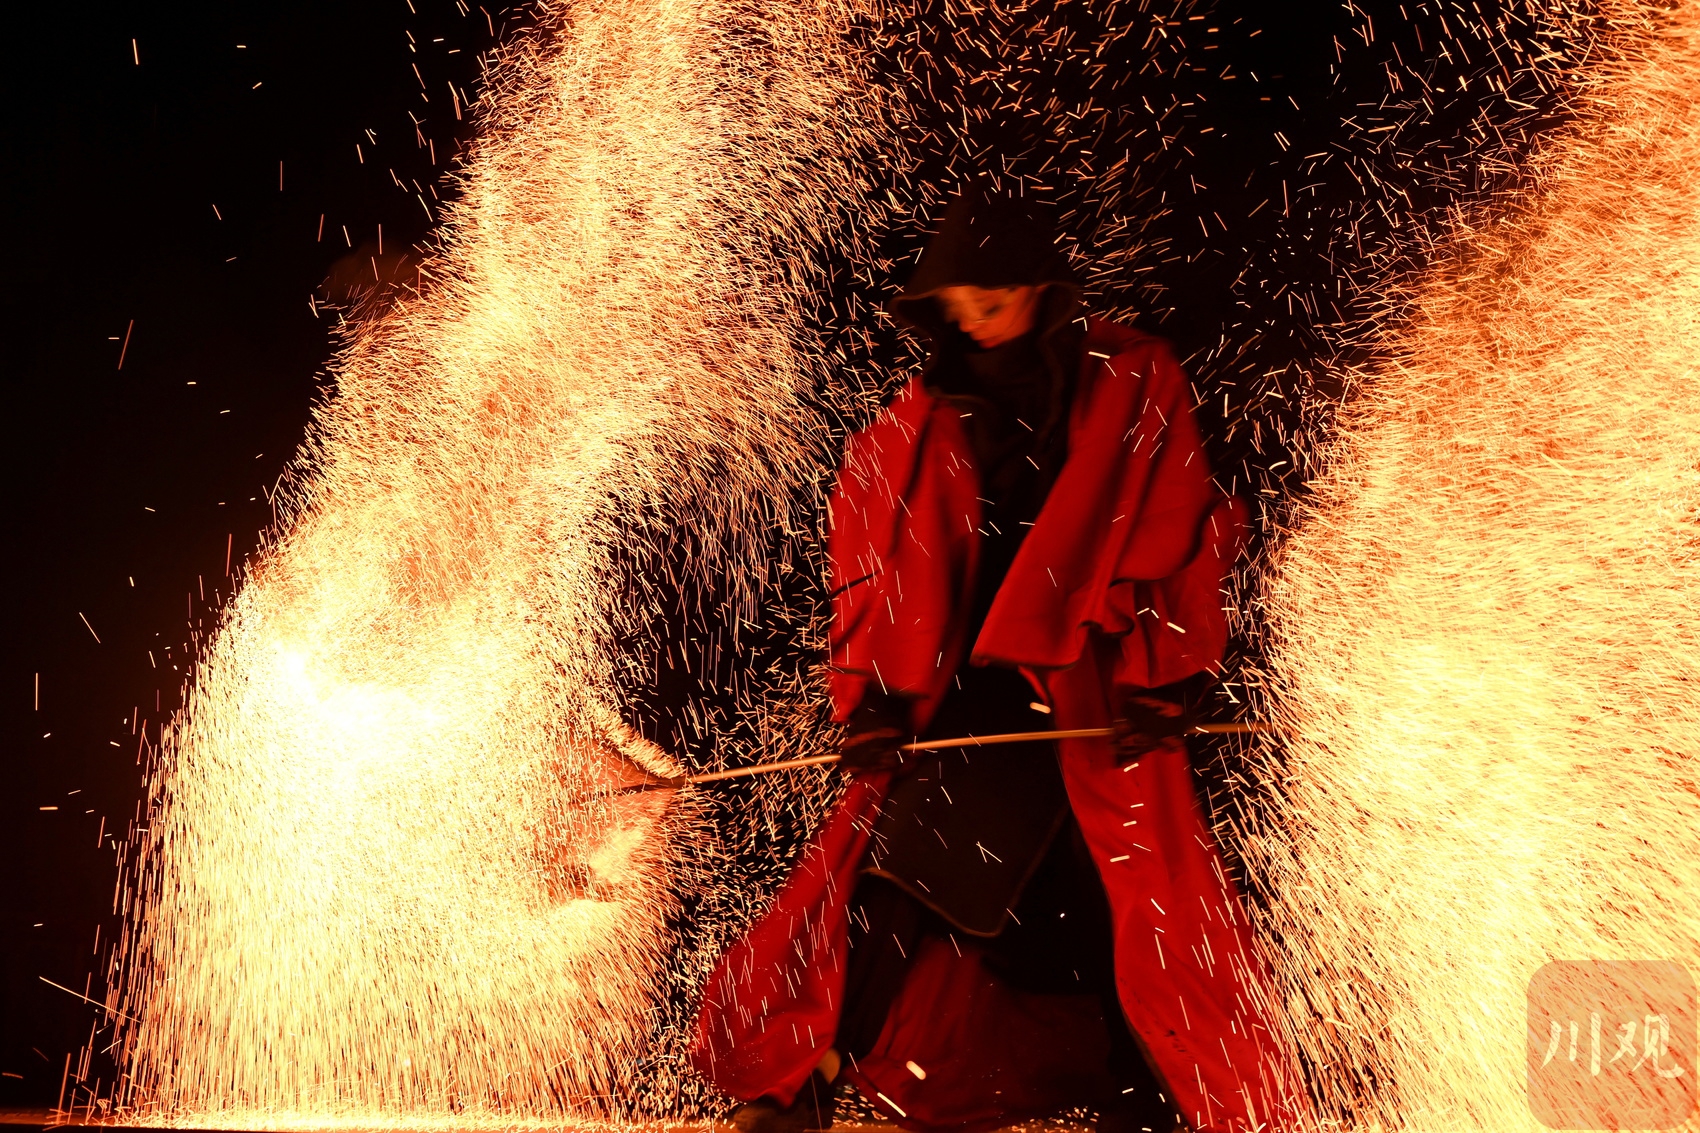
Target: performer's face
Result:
[991, 318]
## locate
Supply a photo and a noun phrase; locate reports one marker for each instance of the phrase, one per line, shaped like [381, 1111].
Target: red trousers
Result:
[1189, 982]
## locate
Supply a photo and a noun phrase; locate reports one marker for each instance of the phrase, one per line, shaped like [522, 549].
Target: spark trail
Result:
[382, 878]
[383, 882]
[1482, 626]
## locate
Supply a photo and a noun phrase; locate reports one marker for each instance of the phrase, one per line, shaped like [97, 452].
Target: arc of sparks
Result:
[1480, 630]
[379, 876]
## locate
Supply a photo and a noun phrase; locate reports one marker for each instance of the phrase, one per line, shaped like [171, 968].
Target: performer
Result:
[1027, 535]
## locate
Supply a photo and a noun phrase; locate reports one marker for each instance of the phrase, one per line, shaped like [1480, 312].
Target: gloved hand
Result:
[871, 738]
[1145, 723]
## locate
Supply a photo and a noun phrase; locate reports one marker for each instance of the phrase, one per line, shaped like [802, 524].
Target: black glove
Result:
[876, 729]
[1146, 722]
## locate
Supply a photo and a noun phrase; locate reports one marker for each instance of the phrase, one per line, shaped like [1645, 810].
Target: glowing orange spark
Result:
[1483, 631]
[384, 878]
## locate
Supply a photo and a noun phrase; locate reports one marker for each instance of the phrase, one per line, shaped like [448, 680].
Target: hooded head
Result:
[1014, 393]
[989, 241]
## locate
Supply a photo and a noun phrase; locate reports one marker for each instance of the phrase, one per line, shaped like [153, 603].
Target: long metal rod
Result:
[941, 745]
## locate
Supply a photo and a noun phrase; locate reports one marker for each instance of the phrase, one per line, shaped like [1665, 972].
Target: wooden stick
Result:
[1008, 738]
[754, 769]
[937, 745]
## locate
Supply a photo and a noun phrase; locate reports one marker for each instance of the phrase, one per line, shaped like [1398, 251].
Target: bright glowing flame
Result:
[1483, 626]
[384, 878]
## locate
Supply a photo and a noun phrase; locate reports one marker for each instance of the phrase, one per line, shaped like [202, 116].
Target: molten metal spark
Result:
[1483, 631]
[384, 877]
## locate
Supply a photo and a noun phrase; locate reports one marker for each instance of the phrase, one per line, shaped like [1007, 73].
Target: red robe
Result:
[1116, 587]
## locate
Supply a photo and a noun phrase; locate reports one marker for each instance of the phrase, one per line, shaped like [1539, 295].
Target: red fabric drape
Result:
[1117, 586]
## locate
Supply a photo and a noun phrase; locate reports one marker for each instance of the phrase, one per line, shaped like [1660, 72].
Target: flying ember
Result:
[1482, 632]
[395, 869]
[385, 874]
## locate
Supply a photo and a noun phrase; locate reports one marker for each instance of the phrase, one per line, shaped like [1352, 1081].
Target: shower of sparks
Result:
[1482, 625]
[571, 482]
[383, 876]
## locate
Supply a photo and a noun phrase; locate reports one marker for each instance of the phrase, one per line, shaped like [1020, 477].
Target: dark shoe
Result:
[812, 1110]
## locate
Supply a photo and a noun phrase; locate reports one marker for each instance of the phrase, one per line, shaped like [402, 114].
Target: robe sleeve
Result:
[1165, 598]
[902, 549]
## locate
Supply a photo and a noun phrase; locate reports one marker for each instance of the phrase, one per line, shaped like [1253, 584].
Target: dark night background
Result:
[146, 224]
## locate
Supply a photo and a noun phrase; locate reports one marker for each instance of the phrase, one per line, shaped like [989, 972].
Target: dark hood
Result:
[1014, 399]
[989, 240]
